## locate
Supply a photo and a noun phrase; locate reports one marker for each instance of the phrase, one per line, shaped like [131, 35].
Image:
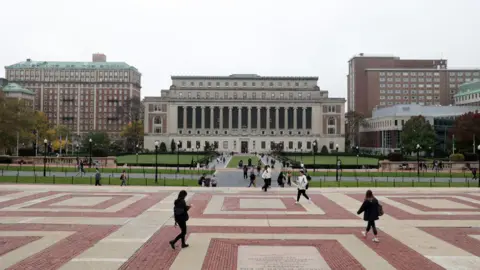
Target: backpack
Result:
[309, 177]
[380, 210]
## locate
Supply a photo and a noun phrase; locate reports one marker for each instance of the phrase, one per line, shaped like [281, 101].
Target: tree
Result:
[100, 143]
[131, 133]
[465, 128]
[173, 146]
[163, 147]
[354, 121]
[16, 119]
[324, 150]
[417, 131]
[131, 111]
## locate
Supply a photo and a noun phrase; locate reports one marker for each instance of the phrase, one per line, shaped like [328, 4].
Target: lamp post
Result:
[295, 154]
[90, 145]
[45, 158]
[77, 148]
[313, 152]
[198, 147]
[136, 150]
[418, 160]
[336, 163]
[156, 162]
[356, 148]
[478, 171]
[178, 156]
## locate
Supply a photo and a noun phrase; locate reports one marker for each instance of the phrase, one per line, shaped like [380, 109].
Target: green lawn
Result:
[235, 159]
[331, 160]
[91, 181]
[408, 174]
[162, 158]
[119, 169]
[391, 183]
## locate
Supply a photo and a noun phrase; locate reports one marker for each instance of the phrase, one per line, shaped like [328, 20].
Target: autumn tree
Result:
[131, 111]
[100, 143]
[417, 130]
[133, 134]
[16, 118]
[465, 129]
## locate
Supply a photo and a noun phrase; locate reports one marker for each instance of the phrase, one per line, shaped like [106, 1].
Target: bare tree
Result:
[132, 111]
[354, 122]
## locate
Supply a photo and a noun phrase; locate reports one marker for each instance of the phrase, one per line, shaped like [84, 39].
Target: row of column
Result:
[252, 117]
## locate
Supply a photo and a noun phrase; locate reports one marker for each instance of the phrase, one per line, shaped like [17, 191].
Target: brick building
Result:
[84, 96]
[382, 81]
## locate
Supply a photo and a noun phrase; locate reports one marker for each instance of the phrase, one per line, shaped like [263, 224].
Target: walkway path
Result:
[115, 227]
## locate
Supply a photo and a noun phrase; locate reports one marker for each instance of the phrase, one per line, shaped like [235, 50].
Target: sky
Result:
[221, 37]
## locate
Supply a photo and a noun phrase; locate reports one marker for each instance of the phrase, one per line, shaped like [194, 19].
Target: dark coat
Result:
[370, 210]
[180, 210]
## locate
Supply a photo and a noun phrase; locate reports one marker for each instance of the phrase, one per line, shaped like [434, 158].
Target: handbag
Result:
[380, 210]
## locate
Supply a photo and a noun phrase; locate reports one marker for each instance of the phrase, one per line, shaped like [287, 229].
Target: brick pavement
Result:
[84, 227]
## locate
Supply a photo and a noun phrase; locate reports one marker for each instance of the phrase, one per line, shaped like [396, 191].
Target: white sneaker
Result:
[375, 239]
[309, 200]
[296, 202]
[364, 234]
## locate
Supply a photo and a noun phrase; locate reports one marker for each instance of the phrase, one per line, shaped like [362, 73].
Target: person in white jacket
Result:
[302, 183]
[267, 178]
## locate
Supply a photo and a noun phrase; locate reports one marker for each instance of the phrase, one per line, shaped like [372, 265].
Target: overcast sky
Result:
[221, 37]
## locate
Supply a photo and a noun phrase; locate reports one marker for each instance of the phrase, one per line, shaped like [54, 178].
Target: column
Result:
[295, 118]
[268, 118]
[285, 112]
[194, 117]
[230, 117]
[249, 121]
[211, 117]
[95, 107]
[304, 118]
[258, 117]
[185, 111]
[202, 113]
[220, 109]
[277, 118]
[239, 111]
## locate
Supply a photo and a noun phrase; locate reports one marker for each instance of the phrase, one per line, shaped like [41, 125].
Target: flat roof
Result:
[244, 77]
[427, 111]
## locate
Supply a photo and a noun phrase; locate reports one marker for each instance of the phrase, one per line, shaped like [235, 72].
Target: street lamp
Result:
[136, 150]
[45, 158]
[156, 162]
[356, 148]
[198, 147]
[313, 152]
[178, 156]
[478, 171]
[90, 144]
[418, 160]
[337, 165]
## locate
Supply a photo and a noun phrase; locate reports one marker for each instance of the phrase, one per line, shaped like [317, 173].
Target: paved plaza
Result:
[110, 227]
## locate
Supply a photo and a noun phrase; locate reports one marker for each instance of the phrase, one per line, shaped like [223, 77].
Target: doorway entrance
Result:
[244, 146]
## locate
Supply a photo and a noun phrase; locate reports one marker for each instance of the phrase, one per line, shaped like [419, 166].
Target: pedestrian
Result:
[267, 178]
[201, 180]
[372, 210]
[214, 181]
[302, 183]
[252, 179]
[289, 178]
[180, 212]
[474, 173]
[245, 172]
[259, 168]
[97, 177]
[281, 179]
[123, 177]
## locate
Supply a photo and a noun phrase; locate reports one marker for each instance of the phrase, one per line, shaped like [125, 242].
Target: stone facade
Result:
[245, 113]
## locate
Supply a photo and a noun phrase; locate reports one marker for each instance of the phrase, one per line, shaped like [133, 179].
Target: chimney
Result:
[99, 57]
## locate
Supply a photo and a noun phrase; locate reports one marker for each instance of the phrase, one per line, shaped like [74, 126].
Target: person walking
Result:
[245, 172]
[372, 210]
[123, 178]
[180, 212]
[281, 179]
[252, 179]
[97, 177]
[289, 178]
[474, 173]
[267, 178]
[302, 184]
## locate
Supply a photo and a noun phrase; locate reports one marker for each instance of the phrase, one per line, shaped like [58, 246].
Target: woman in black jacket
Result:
[180, 211]
[371, 213]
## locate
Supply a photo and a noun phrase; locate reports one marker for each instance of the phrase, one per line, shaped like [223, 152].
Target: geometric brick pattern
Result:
[86, 227]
